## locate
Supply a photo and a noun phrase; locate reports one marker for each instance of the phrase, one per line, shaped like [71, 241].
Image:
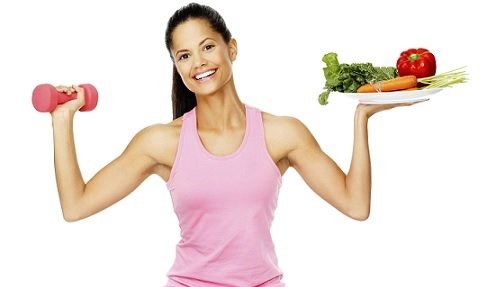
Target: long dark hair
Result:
[183, 100]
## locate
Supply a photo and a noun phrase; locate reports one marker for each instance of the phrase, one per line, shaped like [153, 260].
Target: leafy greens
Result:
[347, 78]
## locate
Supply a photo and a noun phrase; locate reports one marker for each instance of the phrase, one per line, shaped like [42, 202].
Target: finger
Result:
[69, 90]
[62, 88]
[77, 89]
[65, 89]
[407, 103]
[420, 101]
[410, 103]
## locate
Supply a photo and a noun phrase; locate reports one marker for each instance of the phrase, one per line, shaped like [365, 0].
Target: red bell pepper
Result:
[418, 62]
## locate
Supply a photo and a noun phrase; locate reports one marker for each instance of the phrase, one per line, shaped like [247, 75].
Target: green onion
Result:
[444, 80]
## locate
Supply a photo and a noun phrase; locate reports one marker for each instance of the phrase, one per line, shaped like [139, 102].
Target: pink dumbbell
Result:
[45, 97]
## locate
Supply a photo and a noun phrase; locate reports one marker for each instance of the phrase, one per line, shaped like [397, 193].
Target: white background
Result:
[428, 214]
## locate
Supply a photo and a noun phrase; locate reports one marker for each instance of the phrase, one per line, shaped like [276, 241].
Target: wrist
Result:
[361, 115]
[62, 117]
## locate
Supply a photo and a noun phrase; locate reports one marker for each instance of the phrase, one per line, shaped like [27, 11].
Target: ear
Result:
[232, 48]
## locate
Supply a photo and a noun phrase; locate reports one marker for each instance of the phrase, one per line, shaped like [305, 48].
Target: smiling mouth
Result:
[205, 75]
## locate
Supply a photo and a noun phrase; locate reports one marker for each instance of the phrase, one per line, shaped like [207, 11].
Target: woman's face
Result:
[202, 57]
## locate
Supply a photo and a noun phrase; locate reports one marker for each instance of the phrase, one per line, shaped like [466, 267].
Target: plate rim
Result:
[418, 91]
[390, 97]
[399, 101]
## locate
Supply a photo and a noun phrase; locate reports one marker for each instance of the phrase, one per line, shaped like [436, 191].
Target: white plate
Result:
[392, 97]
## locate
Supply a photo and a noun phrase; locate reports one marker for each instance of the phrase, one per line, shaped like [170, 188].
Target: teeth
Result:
[205, 74]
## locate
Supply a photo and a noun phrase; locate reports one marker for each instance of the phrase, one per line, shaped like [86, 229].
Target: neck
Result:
[221, 110]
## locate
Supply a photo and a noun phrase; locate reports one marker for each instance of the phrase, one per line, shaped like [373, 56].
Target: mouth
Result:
[205, 76]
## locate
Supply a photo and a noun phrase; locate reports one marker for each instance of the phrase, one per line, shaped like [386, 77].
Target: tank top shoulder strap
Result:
[188, 124]
[256, 125]
[188, 113]
[183, 144]
[257, 138]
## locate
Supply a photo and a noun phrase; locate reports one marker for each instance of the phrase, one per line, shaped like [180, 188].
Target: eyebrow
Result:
[199, 44]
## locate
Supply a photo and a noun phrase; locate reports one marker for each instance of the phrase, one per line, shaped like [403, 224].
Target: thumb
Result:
[80, 95]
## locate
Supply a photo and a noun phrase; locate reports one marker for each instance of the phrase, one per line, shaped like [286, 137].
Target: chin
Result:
[207, 89]
[206, 92]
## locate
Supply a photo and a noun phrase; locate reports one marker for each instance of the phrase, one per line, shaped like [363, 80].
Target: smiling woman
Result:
[212, 24]
[223, 161]
[200, 54]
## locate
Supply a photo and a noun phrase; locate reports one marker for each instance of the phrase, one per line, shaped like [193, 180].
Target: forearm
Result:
[69, 180]
[358, 180]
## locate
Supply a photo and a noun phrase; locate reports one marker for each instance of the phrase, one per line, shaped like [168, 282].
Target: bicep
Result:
[317, 169]
[117, 179]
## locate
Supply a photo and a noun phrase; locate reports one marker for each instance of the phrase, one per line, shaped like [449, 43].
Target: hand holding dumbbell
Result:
[46, 97]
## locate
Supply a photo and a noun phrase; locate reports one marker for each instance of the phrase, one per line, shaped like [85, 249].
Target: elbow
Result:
[71, 214]
[72, 209]
[360, 216]
[358, 209]
[359, 213]
[70, 217]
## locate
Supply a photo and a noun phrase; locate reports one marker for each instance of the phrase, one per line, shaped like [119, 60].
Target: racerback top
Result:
[225, 206]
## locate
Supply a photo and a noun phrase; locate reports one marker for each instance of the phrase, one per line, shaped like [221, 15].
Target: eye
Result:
[209, 47]
[183, 56]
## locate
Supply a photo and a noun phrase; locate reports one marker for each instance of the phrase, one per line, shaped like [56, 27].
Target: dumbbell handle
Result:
[64, 97]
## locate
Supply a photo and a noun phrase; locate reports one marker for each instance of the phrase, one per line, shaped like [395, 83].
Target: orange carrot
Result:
[396, 84]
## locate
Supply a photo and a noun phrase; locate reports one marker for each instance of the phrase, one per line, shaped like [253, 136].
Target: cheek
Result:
[183, 70]
[219, 56]
[183, 73]
[226, 56]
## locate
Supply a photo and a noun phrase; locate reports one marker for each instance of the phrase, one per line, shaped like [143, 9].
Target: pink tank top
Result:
[225, 206]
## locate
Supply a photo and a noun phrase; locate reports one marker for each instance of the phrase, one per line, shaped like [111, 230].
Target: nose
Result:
[199, 60]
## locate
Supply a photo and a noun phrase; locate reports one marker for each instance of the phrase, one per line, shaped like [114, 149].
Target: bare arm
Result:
[349, 193]
[112, 183]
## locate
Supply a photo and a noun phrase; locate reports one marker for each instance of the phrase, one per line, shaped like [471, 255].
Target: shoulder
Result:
[157, 141]
[286, 134]
[285, 126]
[159, 132]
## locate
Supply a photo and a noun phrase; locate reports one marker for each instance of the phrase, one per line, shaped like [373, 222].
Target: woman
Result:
[222, 159]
